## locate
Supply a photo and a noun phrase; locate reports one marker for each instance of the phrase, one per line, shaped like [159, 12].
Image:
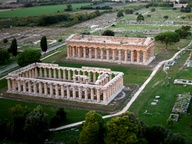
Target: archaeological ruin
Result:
[127, 50]
[86, 84]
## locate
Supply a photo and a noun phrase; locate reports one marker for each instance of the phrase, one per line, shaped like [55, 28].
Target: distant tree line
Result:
[68, 19]
[97, 7]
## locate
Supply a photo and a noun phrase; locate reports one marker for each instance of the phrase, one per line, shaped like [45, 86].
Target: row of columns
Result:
[64, 90]
[121, 55]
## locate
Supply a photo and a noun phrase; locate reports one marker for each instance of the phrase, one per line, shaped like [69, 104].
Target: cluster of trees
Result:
[170, 37]
[69, 19]
[186, 9]
[4, 56]
[27, 125]
[124, 129]
[97, 7]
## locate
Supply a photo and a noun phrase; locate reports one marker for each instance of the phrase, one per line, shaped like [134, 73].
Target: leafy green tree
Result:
[124, 129]
[27, 57]
[153, 9]
[13, 47]
[155, 134]
[59, 118]
[108, 33]
[68, 7]
[5, 40]
[174, 139]
[129, 11]
[140, 18]
[168, 37]
[36, 126]
[92, 129]
[184, 31]
[3, 129]
[4, 56]
[170, 122]
[120, 14]
[43, 44]
[18, 114]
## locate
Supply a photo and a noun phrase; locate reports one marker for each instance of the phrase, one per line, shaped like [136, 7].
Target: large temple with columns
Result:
[86, 84]
[128, 50]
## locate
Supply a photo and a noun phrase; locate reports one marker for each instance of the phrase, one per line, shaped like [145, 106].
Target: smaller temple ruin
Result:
[128, 50]
[86, 84]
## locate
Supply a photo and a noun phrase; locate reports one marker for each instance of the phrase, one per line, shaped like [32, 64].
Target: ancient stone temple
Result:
[111, 49]
[86, 84]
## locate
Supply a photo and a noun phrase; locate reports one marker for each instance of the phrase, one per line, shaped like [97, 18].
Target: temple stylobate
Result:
[86, 84]
[128, 50]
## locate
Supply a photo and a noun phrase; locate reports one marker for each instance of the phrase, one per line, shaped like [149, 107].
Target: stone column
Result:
[54, 73]
[33, 72]
[36, 72]
[96, 53]
[84, 52]
[114, 55]
[86, 94]
[92, 94]
[19, 85]
[79, 52]
[125, 55]
[119, 55]
[107, 54]
[29, 86]
[138, 56]
[104, 95]
[64, 75]
[98, 95]
[13, 84]
[68, 92]
[9, 84]
[132, 56]
[94, 76]
[50, 74]
[101, 54]
[68, 51]
[40, 88]
[90, 53]
[34, 87]
[51, 89]
[59, 73]
[79, 93]
[69, 74]
[56, 90]
[27, 74]
[40, 71]
[45, 88]
[45, 72]
[73, 52]
[144, 57]
[74, 92]
[24, 86]
[62, 91]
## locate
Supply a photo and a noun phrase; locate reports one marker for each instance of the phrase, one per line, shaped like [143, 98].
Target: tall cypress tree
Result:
[43, 44]
[13, 48]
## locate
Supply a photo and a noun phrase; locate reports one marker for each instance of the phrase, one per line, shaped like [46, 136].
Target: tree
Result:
[13, 47]
[36, 126]
[174, 139]
[4, 56]
[129, 11]
[18, 114]
[184, 31]
[27, 57]
[92, 129]
[155, 134]
[124, 129]
[153, 9]
[166, 17]
[108, 33]
[120, 14]
[59, 118]
[5, 40]
[43, 43]
[140, 18]
[168, 37]
[69, 7]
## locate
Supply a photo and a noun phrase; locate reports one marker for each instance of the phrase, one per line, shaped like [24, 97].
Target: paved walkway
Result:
[155, 70]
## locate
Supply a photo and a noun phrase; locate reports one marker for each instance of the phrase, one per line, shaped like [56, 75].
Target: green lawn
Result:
[38, 10]
[162, 85]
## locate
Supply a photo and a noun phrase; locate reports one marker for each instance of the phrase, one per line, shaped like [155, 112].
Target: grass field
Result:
[38, 10]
